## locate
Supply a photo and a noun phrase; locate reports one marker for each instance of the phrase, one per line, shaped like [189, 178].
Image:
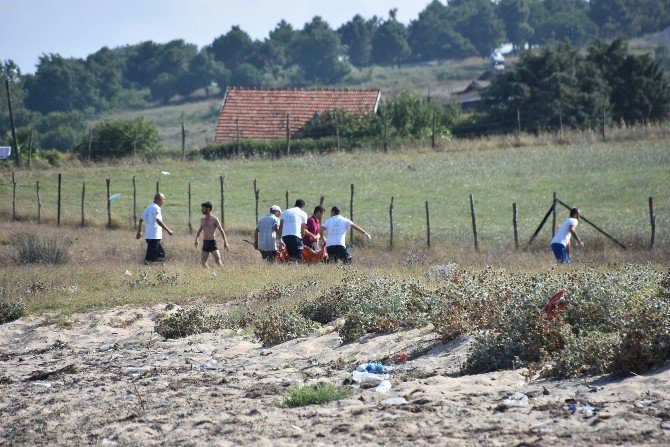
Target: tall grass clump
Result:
[36, 249]
[185, 322]
[314, 395]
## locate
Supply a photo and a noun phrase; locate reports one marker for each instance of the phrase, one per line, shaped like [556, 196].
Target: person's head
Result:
[334, 211]
[575, 213]
[206, 207]
[318, 211]
[159, 199]
[300, 203]
[274, 209]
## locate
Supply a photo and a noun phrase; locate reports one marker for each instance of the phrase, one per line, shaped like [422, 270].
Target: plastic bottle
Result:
[383, 387]
[366, 378]
[374, 368]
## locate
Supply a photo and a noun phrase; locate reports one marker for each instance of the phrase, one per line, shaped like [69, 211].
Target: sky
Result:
[77, 28]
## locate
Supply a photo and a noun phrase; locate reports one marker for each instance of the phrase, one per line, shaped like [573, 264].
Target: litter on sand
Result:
[114, 197]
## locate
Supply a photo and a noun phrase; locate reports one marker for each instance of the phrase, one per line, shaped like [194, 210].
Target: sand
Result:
[108, 379]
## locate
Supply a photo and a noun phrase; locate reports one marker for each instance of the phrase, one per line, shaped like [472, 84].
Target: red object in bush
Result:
[553, 307]
[402, 358]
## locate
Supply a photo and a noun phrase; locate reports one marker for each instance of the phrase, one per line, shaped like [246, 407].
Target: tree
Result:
[550, 89]
[61, 84]
[317, 51]
[389, 44]
[477, 21]
[639, 91]
[356, 35]
[120, 138]
[12, 72]
[515, 15]
[246, 75]
[612, 17]
[164, 87]
[233, 48]
[574, 27]
[411, 114]
[432, 35]
[201, 72]
[106, 67]
[59, 130]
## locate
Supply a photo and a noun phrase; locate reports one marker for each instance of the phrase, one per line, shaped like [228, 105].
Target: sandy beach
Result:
[108, 379]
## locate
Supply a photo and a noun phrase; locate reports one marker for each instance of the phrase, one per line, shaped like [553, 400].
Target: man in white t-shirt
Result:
[560, 244]
[265, 236]
[334, 230]
[154, 227]
[292, 229]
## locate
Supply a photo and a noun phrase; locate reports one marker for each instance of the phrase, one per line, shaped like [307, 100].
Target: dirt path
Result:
[109, 380]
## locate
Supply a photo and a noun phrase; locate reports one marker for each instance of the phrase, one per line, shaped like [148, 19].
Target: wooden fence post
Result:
[286, 200]
[516, 226]
[433, 133]
[222, 180]
[30, 146]
[90, 143]
[386, 141]
[652, 218]
[190, 226]
[427, 225]
[321, 200]
[183, 141]
[13, 196]
[39, 204]
[17, 160]
[539, 227]
[288, 135]
[474, 221]
[134, 204]
[553, 216]
[351, 214]
[257, 196]
[237, 133]
[337, 129]
[59, 197]
[391, 223]
[109, 206]
[600, 230]
[83, 195]
[158, 189]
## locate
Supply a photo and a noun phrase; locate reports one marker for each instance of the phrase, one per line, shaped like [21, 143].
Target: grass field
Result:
[610, 182]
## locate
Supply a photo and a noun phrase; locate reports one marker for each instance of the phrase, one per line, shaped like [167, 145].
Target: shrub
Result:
[11, 310]
[373, 303]
[185, 322]
[34, 249]
[279, 324]
[314, 395]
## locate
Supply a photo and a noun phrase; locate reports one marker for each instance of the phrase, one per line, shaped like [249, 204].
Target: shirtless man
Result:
[209, 224]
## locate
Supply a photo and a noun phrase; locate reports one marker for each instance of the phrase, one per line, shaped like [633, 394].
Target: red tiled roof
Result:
[260, 113]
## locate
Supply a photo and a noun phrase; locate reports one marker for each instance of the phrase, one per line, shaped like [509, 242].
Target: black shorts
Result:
[209, 245]
[338, 252]
[269, 255]
[293, 246]
[155, 251]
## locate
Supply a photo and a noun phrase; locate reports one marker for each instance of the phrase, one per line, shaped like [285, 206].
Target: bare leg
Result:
[203, 258]
[217, 257]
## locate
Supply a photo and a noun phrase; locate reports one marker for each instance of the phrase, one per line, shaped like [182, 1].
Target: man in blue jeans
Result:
[560, 244]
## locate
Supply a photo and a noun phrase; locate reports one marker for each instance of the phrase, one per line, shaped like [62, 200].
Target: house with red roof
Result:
[265, 113]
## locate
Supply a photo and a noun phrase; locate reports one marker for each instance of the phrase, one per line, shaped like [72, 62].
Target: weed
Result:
[11, 310]
[36, 249]
[278, 324]
[314, 395]
[185, 322]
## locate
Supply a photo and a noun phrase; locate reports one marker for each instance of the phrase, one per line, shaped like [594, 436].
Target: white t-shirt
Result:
[337, 227]
[293, 219]
[149, 216]
[563, 234]
[266, 232]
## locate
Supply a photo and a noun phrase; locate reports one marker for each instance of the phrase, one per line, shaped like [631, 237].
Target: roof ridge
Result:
[305, 89]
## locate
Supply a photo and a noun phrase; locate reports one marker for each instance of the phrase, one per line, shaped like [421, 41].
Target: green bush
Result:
[278, 324]
[11, 310]
[120, 138]
[35, 249]
[185, 322]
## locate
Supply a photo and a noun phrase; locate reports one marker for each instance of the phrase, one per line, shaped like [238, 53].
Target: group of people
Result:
[290, 228]
[294, 230]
